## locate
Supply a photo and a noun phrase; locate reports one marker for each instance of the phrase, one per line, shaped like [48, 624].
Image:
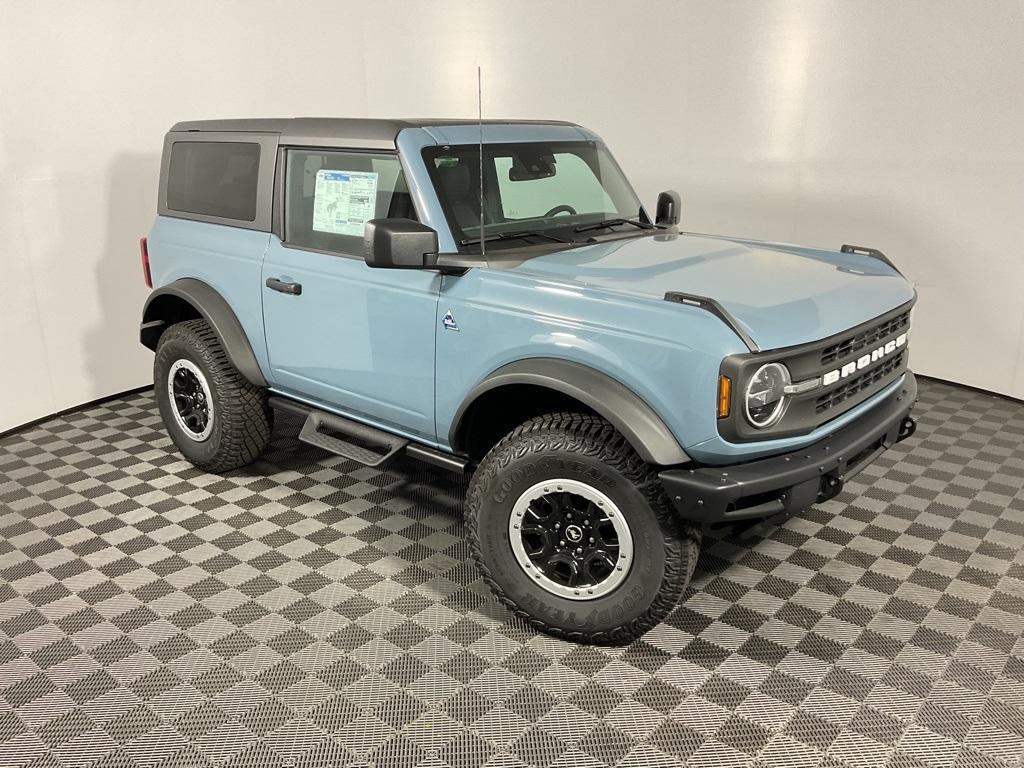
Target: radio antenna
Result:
[480, 126]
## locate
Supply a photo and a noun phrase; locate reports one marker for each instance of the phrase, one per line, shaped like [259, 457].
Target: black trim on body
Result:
[716, 309]
[283, 286]
[213, 308]
[626, 411]
[792, 481]
[874, 253]
[277, 194]
[414, 450]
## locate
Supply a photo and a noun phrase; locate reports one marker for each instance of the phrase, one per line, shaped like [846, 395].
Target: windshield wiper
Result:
[609, 223]
[514, 236]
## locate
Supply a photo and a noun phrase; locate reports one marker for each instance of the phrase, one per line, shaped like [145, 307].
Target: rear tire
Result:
[217, 419]
[559, 479]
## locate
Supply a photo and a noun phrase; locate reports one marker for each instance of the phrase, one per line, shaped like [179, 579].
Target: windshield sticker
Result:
[343, 201]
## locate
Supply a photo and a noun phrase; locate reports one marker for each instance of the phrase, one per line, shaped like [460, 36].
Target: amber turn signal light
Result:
[724, 396]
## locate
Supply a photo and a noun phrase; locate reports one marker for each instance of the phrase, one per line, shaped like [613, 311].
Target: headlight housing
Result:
[764, 400]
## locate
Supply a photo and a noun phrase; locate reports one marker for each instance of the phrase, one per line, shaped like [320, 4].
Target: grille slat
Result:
[864, 339]
[854, 386]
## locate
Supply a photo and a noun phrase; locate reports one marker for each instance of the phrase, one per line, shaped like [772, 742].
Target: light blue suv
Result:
[495, 299]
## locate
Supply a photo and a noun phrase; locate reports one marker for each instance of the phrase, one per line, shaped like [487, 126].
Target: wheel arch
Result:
[189, 299]
[524, 387]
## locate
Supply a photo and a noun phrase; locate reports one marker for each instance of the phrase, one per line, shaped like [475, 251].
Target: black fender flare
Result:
[624, 409]
[215, 310]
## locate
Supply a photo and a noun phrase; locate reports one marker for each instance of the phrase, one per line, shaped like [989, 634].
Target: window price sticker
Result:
[343, 201]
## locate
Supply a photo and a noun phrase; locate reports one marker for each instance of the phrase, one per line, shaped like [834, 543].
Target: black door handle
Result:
[294, 289]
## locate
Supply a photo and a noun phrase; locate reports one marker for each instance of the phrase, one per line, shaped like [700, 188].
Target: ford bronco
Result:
[494, 299]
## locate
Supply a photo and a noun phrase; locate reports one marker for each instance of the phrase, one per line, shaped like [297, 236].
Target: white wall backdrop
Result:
[894, 125]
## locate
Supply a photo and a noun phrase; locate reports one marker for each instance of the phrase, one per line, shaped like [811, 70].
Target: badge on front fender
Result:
[448, 321]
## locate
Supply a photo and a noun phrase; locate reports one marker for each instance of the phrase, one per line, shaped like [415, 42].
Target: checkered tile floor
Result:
[310, 612]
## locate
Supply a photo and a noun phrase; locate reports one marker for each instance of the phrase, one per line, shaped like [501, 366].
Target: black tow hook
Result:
[831, 486]
[907, 427]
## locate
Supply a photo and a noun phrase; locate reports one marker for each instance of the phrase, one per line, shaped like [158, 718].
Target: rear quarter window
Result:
[214, 178]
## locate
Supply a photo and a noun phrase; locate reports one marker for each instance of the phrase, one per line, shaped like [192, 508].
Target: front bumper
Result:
[793, 481]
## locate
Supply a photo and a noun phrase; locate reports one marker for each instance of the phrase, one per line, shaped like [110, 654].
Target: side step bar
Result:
[350, 439]
[360, 442]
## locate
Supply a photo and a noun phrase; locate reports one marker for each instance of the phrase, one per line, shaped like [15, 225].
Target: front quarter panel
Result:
[665, 353]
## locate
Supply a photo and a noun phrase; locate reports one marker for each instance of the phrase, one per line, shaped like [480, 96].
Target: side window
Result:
[214, 178]
[573, 184]
[330, 196]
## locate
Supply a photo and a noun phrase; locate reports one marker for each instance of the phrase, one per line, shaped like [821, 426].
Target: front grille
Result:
[854, 386]
[818, 406]
[864, 339]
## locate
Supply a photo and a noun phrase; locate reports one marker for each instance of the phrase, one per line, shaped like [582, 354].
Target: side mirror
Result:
[667, 212]
[399, 244]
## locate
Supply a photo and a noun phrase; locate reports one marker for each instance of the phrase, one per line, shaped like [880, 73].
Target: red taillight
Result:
[144, 252]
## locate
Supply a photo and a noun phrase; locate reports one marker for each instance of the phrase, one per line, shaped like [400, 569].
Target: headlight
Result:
[765, 398]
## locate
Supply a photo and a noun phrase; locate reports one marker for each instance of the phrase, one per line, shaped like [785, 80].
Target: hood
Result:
[781, 295]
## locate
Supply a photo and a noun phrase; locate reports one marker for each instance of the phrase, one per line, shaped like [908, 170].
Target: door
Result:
[356, 339]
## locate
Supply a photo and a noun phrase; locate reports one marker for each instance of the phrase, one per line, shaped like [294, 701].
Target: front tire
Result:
[600, 555]
[217, 419]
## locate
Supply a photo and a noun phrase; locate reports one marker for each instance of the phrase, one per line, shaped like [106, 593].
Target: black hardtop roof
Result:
[338, 128]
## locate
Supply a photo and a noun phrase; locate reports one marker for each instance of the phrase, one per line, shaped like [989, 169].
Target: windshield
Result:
[550, 188]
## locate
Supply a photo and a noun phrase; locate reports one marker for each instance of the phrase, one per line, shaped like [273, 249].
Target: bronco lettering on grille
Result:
[864, 360]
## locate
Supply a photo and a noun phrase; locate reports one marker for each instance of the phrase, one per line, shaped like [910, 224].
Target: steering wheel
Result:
[560, 209]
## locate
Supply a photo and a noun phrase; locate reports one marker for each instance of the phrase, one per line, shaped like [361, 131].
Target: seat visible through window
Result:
[379, 175]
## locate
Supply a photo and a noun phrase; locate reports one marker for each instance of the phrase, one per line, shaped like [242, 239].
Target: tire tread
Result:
[242, 407]
[597, 438]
